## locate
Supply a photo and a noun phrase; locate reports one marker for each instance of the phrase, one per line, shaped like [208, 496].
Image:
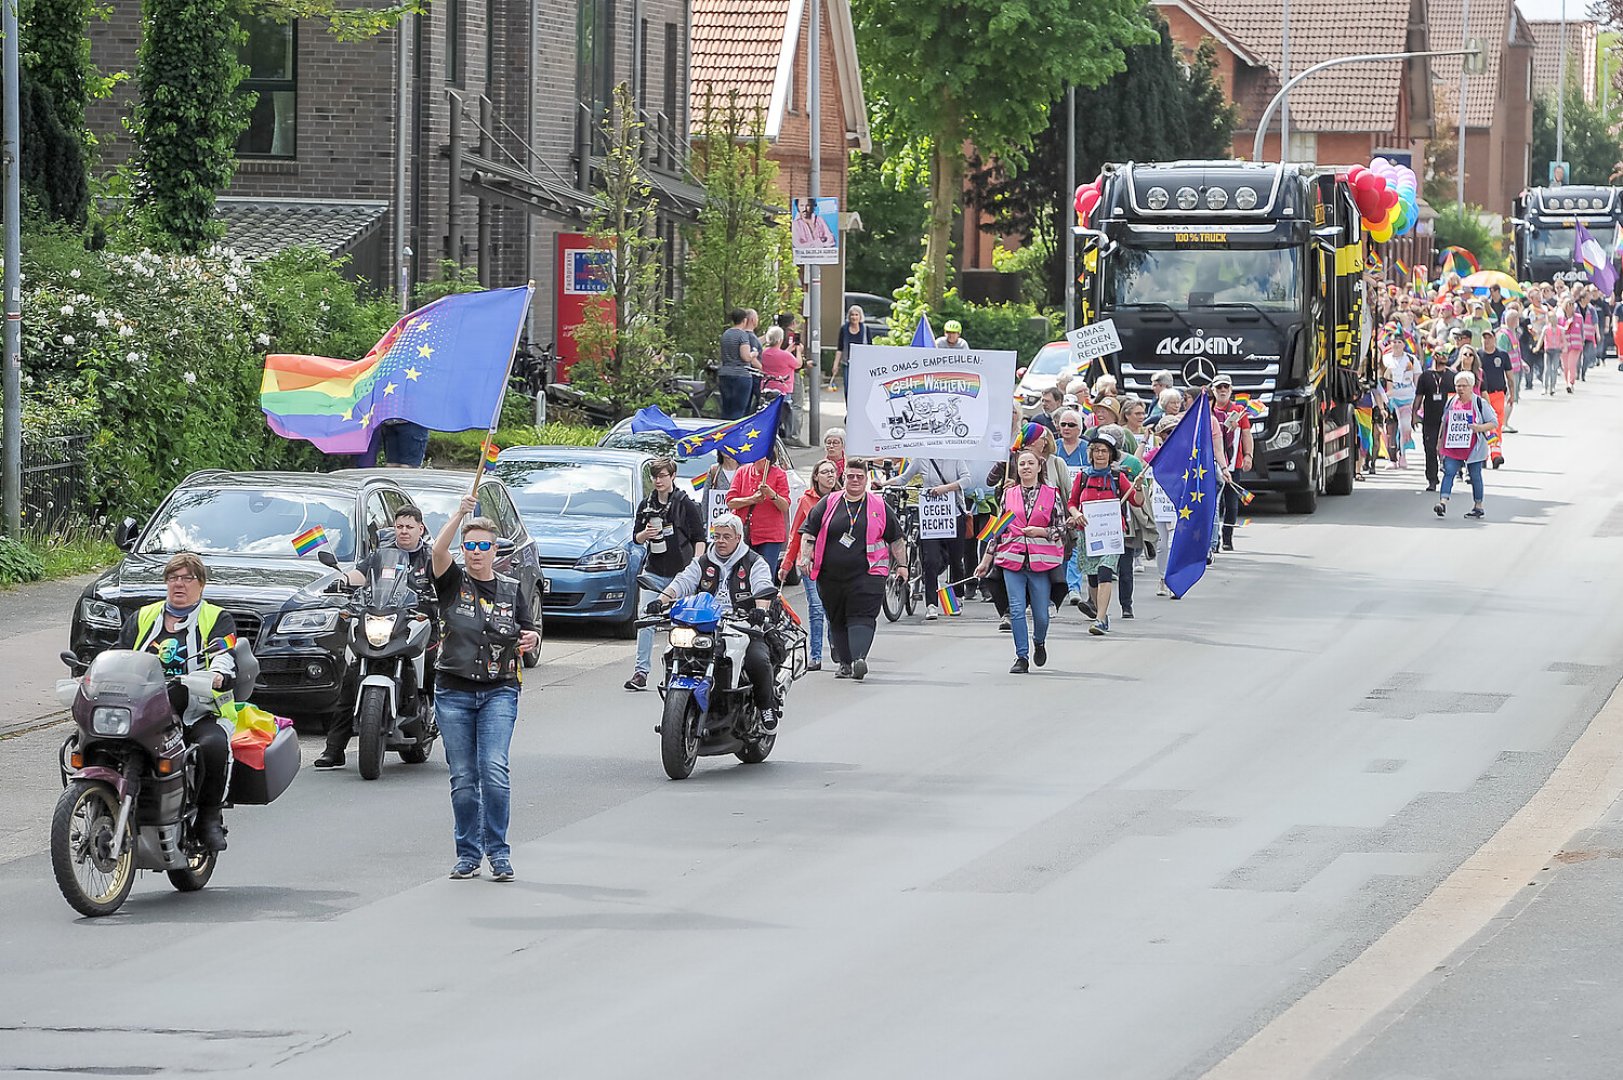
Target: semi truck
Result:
[1544, 228]
[1252, 270]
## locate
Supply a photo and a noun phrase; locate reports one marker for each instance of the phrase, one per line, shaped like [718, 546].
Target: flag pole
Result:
[501, 398]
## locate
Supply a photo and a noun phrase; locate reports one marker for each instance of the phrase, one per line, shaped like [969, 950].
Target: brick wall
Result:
[791, 151]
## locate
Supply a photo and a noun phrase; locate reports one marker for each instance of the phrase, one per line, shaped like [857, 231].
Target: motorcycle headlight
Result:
[110, 720]
[100, 615]
[683, 637]
[614, 559]
[703, 643]
[1284, 435]
[308, 621]
[379, 629]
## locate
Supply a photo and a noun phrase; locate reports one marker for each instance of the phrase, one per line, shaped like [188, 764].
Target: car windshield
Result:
[250, 521]
[1050, 360]
[1186, 278]
[574, 489]
[1557, 243]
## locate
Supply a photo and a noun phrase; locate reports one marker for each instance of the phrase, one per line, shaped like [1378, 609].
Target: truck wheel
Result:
[1302, 502]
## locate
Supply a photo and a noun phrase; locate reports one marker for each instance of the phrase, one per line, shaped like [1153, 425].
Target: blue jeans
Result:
[1074, 581]
[1027, 588]
[814, 621]
[1451, 469]
[645, 636]
[772, 552]
[735, 395]
[477, 726]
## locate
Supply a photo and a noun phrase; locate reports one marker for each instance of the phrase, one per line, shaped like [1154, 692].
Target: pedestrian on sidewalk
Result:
[855, 540]
[740, 360]
[778, 367]
[824, 479]
[670, 526]
[1466, 427]
[853, 331]
[1028, 551]
[488, 624]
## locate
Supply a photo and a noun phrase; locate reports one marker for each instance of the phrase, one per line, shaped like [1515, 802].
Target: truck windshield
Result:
[1546, 242]
[1187, 278]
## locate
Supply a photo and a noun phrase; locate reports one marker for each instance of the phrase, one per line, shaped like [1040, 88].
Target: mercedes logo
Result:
[1199, 371]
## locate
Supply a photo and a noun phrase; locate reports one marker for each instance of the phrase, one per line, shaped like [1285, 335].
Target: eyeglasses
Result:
[180, 577]
[1067, 423]
[477, 545]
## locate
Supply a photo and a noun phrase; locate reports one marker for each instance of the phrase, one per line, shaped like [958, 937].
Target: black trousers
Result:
[214, 750]
[849, 605]
[1124, 575]
[758, 666]
[1430, 432]
[938, 556]
[1230, 501]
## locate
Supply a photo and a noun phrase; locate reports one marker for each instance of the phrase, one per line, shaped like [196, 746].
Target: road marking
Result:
[1305, 1036]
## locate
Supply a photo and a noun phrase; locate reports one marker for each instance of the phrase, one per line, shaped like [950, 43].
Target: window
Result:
[642, 66]
[453, 42]
[1184, 279]
[269, 55]
[594, 64]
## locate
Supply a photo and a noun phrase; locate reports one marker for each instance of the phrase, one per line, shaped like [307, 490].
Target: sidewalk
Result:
[34, 622]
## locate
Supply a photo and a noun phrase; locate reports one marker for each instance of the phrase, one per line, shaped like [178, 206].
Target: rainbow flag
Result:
[225, 644]
[1403, 267]
[1028, 434]
[1255, 408]
[491, 453]
[995, 526]
[1246, 497]
[1366, 428]
[947, 601]
[309, 540]
[701, 481]
[443, 366]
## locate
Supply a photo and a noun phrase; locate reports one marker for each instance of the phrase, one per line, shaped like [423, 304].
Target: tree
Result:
[980, 72]
[738, 255]
[623, 339]
[188, 118]
[1155, 110]
[880, 255]
[56, 55]
[1590, 144]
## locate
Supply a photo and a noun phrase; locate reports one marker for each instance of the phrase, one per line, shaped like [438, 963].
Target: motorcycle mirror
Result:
[649, 583]
[125, 534]
[69, 658]
[327, 559]
[505, 547]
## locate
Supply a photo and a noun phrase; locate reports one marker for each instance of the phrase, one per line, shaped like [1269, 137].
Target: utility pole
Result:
[1070, 193]
[814, 185]
[402, 131]
[1561, 89]
[1284, 81]
[1459, 165]
[12, 380]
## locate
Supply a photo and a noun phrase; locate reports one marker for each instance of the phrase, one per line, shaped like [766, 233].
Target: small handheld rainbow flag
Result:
[947, 601]
[995, 526]
[1246, 497]
[701, 481]
[225, 644]
[491, 453]
[1403, 267]
[309, 540]
[1251, 405]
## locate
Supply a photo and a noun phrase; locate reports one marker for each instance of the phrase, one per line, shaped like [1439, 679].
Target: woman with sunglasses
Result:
[488, 625]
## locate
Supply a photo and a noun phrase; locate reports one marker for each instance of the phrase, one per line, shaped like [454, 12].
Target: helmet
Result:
[953, 327]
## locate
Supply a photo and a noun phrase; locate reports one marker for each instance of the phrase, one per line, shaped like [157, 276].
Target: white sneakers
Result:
[932, 613]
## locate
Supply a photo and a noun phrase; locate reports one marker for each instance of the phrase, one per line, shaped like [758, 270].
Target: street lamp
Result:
[1362, 58]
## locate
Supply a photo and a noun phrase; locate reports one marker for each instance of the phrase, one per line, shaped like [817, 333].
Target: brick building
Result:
[1583, 56]
[503, 97]
[1498, 103]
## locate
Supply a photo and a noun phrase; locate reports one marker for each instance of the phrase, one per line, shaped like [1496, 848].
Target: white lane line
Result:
[1307, 1035]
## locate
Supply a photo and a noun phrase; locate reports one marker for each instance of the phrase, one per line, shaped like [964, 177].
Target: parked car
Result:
[286, 605]
[1051, 361]
[578, 503]
[655, 443]
[875, 310]
[436, 493]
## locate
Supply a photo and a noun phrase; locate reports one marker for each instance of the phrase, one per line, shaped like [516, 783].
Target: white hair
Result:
[834, 433]
[1171, 397]
[1464, 378]
[774, 336]
[1161, 378]
[730, 521]
[1068, 414]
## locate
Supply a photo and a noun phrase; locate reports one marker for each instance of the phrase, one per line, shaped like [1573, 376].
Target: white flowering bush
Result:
[162, 355]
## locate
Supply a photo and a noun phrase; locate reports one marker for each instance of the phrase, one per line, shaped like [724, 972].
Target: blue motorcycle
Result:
[709, 706]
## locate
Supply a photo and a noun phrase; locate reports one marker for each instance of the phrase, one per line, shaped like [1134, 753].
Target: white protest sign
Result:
[1161, 507]
[938, 516]
[1101, 519]
[717, 502]
[935, 403]
[1459, 435]
[1088, 342]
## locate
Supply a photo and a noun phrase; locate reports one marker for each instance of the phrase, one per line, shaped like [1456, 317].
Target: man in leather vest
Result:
[414, 554]
[732, 573]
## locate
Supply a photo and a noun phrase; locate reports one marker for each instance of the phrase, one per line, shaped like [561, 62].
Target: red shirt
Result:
[764, 523]
[1232, 440]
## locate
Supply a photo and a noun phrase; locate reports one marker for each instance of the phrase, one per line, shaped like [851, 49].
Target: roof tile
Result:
[735, 46]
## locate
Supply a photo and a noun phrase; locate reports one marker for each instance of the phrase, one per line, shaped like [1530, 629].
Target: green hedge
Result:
[460, 449]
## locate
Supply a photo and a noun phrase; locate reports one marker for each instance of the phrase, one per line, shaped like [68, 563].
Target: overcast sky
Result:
[1540, 10]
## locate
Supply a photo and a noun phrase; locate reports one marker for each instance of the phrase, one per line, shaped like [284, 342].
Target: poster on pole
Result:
[814, 231]
[943, 403]
[1089, 343]
[938, 516]
[1102, 526]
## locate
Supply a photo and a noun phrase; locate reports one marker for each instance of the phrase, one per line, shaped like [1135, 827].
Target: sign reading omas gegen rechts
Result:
[946, 403]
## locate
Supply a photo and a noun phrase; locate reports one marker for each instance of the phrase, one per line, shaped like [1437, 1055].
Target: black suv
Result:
[243, 525]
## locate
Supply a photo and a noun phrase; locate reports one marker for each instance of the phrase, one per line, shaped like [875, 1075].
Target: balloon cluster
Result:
[1087, 198]
[1385, 194]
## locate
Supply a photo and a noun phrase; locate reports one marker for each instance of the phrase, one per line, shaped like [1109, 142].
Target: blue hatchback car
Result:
[578, 504]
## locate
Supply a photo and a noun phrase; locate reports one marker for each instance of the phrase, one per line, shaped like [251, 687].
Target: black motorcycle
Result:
[131, 781]
[389, 637]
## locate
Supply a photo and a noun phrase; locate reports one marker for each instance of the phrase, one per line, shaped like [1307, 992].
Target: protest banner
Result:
[1089, 343]
[938, 516]
[917, 402]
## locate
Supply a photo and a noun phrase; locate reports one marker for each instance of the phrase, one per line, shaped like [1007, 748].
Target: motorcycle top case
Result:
[256, 787]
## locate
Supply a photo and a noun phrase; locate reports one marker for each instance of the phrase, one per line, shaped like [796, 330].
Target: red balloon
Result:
[1389, 199]
[1354, 173]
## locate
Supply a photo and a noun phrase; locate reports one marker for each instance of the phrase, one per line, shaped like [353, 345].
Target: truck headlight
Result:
[110, 720]
[1284, 435]
[100, 615]
[308, 621]
[614, 559]
[379, 629]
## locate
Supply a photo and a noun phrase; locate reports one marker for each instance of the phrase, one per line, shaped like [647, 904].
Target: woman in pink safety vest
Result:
[1028, 550]
[850, 542]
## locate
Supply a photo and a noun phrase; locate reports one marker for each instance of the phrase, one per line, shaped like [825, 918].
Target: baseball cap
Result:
[1222, 380]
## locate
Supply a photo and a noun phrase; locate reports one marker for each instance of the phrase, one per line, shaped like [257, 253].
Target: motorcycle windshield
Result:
[390, 587]
[125, 675]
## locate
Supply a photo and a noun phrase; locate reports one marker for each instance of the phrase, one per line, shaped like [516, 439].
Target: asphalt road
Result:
[1121, 866]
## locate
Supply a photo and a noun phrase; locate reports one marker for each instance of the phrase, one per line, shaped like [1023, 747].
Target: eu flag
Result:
[746, 440]
[1186, 468]
[444, 366]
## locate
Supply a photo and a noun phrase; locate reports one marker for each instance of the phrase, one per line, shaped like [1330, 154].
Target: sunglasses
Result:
[477, 545]
[1067, 424]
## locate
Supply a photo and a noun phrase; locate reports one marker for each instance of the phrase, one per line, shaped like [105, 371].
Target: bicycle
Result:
[903, 596]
